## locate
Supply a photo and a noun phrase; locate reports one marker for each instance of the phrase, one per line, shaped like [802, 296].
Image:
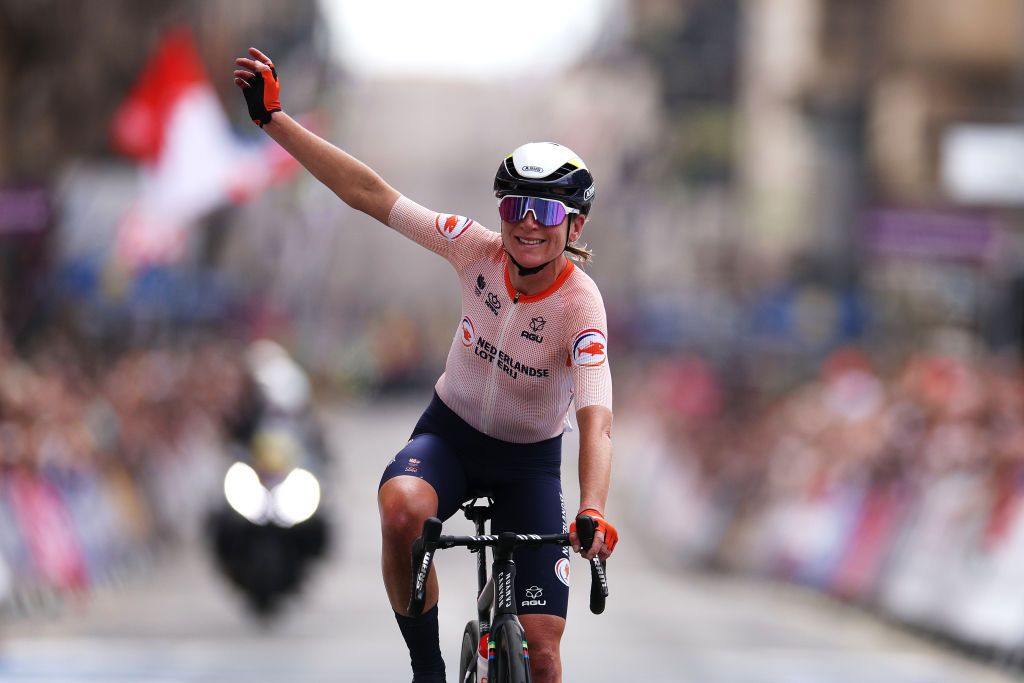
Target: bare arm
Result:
[595, 424]
[353, 181]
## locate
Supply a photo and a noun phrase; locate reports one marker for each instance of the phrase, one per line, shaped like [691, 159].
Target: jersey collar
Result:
[529, 298]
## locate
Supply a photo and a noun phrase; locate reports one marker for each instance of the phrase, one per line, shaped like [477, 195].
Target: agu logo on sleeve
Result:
[450, 226]
[467, 333]
[589, 349]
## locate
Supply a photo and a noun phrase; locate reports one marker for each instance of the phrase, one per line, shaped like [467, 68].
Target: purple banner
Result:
[931, 234]
[24, 210]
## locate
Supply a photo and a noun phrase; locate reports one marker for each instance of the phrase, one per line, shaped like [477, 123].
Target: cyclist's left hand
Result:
[605, 536]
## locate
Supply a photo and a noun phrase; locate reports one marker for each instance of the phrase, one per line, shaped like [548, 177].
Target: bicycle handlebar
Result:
[431, 540]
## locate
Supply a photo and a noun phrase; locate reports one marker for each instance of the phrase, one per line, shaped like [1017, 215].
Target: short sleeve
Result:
[588, 353]
[458, 239]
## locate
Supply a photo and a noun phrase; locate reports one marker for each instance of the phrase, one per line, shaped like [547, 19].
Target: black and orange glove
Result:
[611, 536]
[263, 96]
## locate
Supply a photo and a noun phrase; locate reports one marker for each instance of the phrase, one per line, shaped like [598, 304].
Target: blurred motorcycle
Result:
[271, 526]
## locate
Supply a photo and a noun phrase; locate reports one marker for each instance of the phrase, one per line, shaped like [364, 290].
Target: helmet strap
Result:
[524, 271]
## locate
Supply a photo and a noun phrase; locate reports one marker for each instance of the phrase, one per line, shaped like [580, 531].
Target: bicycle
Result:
[508, 658]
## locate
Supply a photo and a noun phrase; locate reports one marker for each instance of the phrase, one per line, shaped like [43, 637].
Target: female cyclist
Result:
[532, 337]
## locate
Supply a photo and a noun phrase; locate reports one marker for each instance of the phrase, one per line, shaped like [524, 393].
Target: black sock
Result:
[421, 635]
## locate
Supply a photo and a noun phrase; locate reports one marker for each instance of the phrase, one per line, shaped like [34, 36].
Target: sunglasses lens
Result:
[545, 211]
[548, 212]
[512, 209]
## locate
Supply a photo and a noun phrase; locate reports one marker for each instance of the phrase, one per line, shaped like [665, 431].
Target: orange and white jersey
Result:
[516, 360]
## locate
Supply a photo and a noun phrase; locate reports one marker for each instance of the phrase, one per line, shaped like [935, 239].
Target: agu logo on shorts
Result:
[467, 333]
[562, 570]
[451, 226]
[589, 348]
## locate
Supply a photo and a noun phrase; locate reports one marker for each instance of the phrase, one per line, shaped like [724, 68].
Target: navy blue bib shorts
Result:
[524, 481]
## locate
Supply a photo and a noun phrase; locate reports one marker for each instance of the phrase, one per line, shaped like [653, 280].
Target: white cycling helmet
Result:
[549, 170]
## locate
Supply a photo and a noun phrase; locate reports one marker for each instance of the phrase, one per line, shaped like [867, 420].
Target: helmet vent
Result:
[564, 169]
[510, 166]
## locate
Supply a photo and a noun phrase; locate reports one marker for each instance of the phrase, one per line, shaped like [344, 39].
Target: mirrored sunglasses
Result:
[547, 212]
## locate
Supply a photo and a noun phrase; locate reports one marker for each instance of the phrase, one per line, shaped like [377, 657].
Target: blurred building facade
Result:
[808, 143]
[848, 111]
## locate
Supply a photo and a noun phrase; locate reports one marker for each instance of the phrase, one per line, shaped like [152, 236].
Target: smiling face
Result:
[532, 244]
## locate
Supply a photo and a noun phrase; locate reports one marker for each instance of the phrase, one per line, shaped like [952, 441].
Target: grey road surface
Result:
[180, 623]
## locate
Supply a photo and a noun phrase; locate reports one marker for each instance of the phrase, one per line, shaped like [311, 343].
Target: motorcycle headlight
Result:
[245, 494]
[296, 498]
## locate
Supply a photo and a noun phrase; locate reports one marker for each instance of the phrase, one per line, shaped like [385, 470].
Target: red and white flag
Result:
[190, 161]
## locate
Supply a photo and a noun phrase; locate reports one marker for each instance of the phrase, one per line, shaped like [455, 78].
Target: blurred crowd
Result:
[104, 460]
[900, 488]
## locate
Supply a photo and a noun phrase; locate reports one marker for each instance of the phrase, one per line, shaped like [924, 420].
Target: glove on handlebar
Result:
[263, 96]
[611, 536]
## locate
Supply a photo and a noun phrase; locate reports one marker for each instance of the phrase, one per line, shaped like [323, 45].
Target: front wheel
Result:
[467, 660]
[511, 663]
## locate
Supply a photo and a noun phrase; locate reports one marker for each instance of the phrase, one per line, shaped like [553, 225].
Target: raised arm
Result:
[354, 182]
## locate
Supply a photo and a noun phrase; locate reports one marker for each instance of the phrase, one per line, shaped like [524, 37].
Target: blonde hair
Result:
[579, 252]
